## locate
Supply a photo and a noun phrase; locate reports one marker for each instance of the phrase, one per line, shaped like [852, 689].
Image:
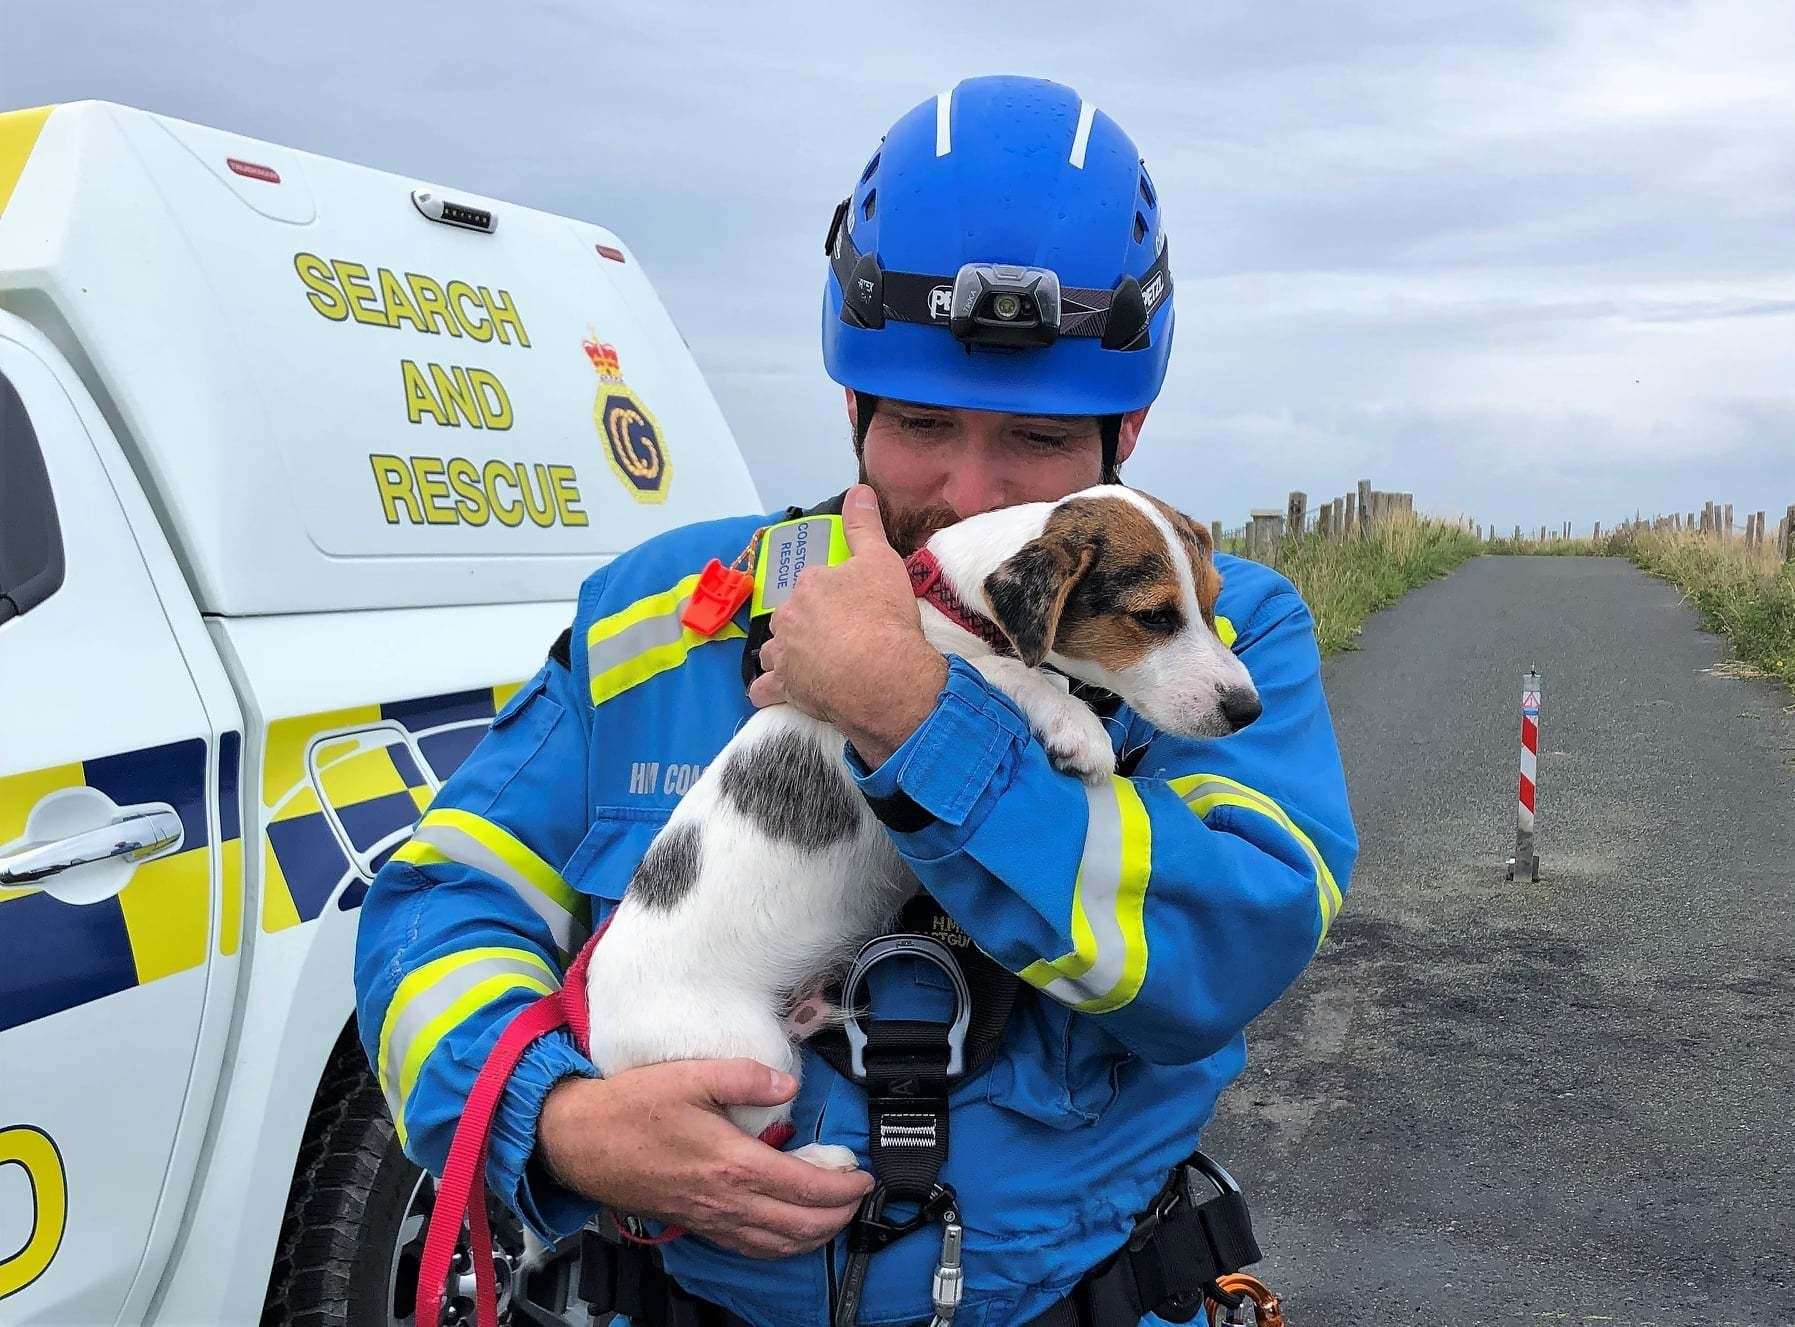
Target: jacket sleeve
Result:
[1173, 905]
[468, 923]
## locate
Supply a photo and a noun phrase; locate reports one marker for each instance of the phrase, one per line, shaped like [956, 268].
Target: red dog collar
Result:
[927, 582]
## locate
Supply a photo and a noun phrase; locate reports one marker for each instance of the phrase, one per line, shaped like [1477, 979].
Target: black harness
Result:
[1196, 1230]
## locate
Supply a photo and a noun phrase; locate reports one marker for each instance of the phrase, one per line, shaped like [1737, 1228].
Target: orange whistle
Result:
[719, 592]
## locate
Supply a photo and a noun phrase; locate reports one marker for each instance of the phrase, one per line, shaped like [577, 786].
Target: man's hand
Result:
[848, 647]
[655, 1142]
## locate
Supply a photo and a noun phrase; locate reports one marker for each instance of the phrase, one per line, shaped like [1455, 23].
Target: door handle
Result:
[135, 838]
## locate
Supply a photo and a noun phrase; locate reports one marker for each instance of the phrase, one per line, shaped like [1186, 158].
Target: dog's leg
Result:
[1075, 738]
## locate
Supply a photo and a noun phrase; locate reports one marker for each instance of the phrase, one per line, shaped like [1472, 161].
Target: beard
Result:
[909, 528]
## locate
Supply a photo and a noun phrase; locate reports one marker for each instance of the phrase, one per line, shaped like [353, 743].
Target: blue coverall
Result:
[1152, 918]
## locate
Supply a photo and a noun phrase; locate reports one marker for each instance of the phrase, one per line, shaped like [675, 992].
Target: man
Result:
[1149, 920]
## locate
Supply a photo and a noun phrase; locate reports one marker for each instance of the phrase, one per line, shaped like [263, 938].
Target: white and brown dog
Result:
[772, 871]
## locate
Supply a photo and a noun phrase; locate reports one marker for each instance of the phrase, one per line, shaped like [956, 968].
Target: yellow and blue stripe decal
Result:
[56, 956]
[376, 793]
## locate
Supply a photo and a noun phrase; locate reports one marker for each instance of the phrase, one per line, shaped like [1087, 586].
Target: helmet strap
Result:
[866, 405]
[1109, 429]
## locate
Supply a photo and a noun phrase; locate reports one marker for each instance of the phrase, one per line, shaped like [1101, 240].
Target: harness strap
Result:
[1179, 1256]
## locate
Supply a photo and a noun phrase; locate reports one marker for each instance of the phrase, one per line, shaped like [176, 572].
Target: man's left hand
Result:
[848, 647]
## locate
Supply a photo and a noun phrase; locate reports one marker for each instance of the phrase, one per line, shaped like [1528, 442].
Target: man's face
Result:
[932, 465]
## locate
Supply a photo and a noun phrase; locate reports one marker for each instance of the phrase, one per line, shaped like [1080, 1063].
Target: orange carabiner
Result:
[1267, 1311]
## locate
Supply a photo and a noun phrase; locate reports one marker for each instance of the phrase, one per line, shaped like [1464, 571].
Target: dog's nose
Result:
[1240, 706]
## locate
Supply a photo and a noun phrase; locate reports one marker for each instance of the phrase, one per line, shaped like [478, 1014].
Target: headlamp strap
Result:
[915, 297]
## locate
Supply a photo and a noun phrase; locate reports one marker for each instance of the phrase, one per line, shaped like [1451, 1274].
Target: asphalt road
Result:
[1567, 1102]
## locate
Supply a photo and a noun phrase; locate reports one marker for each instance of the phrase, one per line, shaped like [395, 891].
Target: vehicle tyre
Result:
[356, 1217]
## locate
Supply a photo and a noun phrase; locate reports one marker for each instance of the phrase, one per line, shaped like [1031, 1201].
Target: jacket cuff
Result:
[936, 788]
[551, 1209]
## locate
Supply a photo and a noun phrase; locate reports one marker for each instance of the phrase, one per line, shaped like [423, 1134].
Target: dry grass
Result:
[1344, 583]
[1553, 548]
[1745, 594]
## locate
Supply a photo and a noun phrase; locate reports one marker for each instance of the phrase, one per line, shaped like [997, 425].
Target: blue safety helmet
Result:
[1002, 251]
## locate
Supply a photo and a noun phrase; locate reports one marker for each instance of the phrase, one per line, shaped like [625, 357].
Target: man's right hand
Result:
[656, 1142]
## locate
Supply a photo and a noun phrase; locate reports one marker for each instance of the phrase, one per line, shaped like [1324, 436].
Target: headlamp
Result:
[1006, 307]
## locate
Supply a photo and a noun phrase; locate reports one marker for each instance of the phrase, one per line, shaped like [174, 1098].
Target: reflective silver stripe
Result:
[458, 845]
[1197, 789]
[1099, 880]
[661, 629]
[431, 1003]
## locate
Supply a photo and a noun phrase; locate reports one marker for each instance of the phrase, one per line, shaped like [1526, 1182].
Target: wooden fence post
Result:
[1324, 520]
[1339, 506]
[1789, 534]
[1727, 524]
[1215, 533]
[1365, 513]
[1707, 518]
[1296, 513]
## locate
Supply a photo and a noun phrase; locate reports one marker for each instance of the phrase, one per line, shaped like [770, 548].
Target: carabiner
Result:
[1256, 1307]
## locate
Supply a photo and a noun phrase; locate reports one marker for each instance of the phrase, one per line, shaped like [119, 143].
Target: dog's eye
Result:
[1162, 620]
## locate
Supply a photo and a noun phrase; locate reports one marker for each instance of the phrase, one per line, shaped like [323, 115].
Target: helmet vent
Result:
[866, 208]
[871, 166]
[1140, 228]
[1146, 189]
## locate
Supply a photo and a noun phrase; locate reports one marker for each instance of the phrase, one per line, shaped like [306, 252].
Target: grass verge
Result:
[1344, 583]
[1745, 594]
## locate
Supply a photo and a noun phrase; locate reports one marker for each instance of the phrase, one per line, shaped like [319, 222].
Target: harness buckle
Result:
[883, 949]
[872, 1232]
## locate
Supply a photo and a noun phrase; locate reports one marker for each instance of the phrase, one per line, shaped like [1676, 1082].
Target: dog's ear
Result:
[1028, 593]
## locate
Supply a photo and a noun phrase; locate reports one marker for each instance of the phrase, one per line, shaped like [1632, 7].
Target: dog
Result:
[772, 871]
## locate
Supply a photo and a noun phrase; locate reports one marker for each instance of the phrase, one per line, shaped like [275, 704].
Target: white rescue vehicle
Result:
[301, 464]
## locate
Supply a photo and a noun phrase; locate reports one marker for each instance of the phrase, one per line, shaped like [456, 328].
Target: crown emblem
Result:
[602, 354]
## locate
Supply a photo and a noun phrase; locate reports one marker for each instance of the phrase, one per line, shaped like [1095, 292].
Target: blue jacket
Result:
[1154, 918]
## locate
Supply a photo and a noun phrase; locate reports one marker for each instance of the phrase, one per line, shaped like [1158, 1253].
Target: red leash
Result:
[461, 1193]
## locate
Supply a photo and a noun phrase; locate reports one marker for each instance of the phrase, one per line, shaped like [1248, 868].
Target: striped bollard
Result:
[1524, 865]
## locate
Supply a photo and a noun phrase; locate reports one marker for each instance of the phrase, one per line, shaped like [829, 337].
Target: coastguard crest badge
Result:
[633, 442]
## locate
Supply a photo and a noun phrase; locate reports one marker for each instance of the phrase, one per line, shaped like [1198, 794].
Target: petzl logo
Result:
[941, 302]
[631, 435]
[1154, 289]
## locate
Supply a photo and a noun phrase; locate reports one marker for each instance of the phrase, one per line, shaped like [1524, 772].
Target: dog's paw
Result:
[827, 1155]
[1078, 743]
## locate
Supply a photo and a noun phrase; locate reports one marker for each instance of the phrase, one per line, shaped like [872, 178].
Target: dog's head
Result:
[1119, 590]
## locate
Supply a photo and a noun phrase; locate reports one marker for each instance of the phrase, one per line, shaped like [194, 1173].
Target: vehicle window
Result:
[30, 537]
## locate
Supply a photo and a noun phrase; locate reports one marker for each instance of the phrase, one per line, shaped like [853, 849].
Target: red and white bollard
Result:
[1524, 865]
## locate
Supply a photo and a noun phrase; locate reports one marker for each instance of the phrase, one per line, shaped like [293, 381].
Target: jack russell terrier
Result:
[772, 871]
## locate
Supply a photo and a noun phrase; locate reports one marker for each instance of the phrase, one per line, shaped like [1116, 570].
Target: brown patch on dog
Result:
[1099, 583]
[1200, 548]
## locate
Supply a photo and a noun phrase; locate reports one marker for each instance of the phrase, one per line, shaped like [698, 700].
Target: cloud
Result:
[1529, 261]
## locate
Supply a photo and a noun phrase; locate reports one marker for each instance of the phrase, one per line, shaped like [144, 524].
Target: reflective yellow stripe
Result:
[1108, 962]
[1224, 629]
[1204, 792]
[435, 999]
[655, 605]
[449, 835]
[627, 648]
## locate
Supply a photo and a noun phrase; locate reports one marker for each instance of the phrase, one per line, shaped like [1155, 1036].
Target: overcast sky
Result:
[1532, 261]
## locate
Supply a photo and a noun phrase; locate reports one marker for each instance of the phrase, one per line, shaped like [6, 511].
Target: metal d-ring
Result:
[877, 951]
